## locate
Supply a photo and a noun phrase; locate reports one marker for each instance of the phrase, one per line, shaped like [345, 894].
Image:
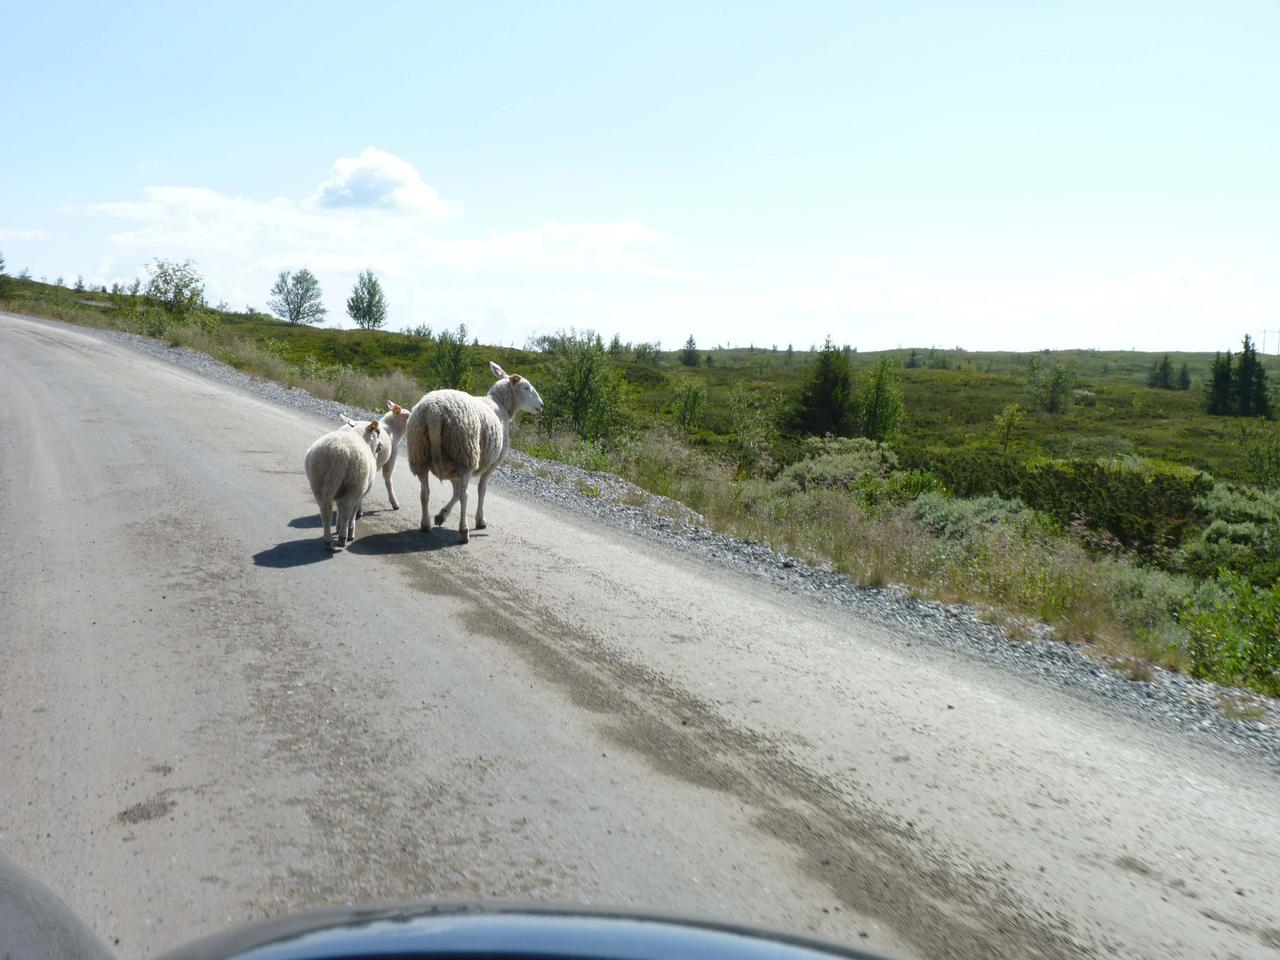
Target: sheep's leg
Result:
[345, 510]
[464, 479]
[480, 489]
[354, 516]
[388, 471]
[424, 495]
[444, 511]
[391, 491]
[326, 514]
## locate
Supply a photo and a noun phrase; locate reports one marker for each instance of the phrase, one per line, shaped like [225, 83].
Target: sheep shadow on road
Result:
[312, 520]
[411, 540]
[293, 553]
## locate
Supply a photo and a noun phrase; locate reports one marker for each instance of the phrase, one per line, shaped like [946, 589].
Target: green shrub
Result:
[1235, 638]
[968, 521]
[837, 464]
[1144, 504]
[1243, 534]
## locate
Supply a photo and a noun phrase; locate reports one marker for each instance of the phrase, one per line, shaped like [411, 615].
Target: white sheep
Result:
[456, 436]
[340, 467]
[396, 420]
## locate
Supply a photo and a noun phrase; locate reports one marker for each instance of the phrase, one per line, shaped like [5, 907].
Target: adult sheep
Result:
[340, 468]
[457, 436]
[396, 420]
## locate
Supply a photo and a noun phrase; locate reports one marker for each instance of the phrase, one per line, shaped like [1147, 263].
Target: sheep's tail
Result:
[419, 437]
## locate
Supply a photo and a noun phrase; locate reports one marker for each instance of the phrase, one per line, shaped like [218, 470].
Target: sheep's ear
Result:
[394, 407]
[373, 425]
[516, 378]
[347, 420]
[498, 372]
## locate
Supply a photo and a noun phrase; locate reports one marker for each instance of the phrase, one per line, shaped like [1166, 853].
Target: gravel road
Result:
[205, 719]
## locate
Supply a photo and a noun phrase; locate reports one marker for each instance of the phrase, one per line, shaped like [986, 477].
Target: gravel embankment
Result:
[1169, 699]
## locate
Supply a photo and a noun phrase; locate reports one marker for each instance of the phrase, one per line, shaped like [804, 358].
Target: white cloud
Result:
[12, 234]
[357, 219]
[381, 181]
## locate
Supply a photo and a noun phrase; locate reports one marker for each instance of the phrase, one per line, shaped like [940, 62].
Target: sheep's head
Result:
[375, 435]
[524, 396]
[396, 419]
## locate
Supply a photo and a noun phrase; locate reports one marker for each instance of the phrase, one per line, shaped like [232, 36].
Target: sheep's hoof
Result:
[480, 524]
[463, 536]
[425, 525]
[395, 506]
[328, 545]
[440, 519]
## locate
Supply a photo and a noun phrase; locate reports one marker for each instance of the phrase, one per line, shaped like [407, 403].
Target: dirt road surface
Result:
[205, 719]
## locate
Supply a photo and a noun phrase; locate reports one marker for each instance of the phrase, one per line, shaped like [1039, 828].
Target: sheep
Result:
[455, 436]
[396, 420]
[340, 467]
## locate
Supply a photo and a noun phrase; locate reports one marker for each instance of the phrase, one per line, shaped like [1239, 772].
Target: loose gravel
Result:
[1251, 728]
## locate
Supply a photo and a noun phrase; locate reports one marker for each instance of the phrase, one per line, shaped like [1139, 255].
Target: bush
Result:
[1144, 504]
[968, 521]
[449, 359]
[581, 393]
[177, 288]
[836, 464]
[1235, 638]
[1242, 536]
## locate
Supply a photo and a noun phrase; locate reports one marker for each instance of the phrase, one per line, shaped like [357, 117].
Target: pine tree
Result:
[1245, 381]
[1161, 375]
[689, 355]
[1251, 393]
[1184, 377]
[825, 402]
[1218, 399]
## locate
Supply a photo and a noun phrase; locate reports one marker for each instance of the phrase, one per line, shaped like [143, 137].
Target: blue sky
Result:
[989, 175]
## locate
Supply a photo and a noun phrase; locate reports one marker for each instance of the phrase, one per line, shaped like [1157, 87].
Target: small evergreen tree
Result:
[79, 288]
[1217, 387]
[710, 360]
[1250, 390]
[1184, 377]
[616, 348]
[913, 360]
[825, 401]
[296, 297]
[689, 355]
[1161, 375]
[367, 306]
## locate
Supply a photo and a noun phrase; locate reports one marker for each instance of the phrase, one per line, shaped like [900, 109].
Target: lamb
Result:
[456, 436]
[340, 468]
[396, 420]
